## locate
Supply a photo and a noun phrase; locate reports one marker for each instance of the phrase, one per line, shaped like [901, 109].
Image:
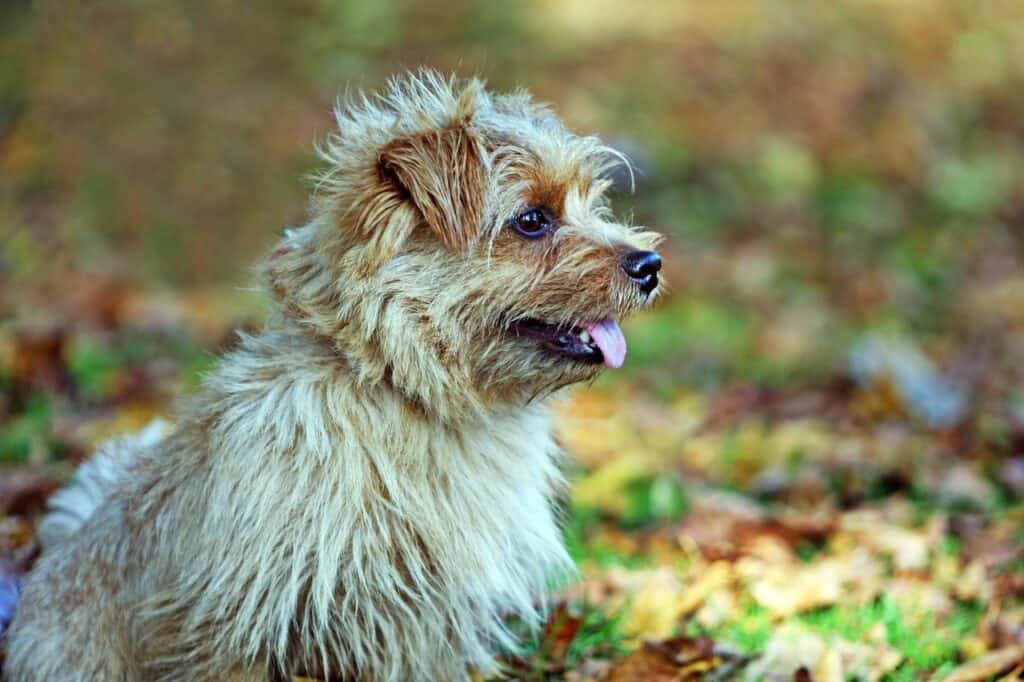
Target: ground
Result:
[748, 531]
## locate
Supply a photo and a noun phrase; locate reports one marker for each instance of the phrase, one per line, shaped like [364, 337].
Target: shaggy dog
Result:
[364, 489]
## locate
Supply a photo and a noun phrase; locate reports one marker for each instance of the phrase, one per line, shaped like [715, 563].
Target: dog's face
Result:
[462, 248]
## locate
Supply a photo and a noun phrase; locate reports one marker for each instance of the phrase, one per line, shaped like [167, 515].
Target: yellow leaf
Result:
[602, 489]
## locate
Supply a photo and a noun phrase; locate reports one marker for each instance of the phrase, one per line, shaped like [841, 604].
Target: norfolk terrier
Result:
[364, 489]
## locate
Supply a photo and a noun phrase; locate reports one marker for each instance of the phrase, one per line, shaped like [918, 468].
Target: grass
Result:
[926, 642]
[94, 367]
[929, 643]
[749, 633]
[583, 549]
[928, 646]
[28, 430]
[598, 635]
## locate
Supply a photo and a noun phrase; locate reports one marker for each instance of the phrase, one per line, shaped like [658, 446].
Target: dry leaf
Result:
[25, 491]
[794, 646]
[654, 607]
[675, 659]
[788, 587]
[988, 665]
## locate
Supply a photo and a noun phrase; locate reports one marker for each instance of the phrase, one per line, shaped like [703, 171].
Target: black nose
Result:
[642, 267]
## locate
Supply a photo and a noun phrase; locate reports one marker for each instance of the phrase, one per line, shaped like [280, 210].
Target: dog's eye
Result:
[532, 224]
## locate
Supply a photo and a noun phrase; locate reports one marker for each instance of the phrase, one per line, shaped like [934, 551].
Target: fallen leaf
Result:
[1014, 675]
[984, 667]
[559, 633]
[794, 646]
[643, 664]
[675, 659]
[25, 491]
[654, 605]
[787, 586]
[910, 549]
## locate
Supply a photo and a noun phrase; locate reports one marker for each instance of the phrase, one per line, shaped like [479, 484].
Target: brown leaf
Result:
[677, 658]
[643, 664]
[25, 491]
[559, 632]
[729, 525]
[37, 363]
[16, 533]
[984, 667]
[1014, 675]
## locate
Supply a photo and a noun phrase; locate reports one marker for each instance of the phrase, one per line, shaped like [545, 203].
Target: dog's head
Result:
[462, 249]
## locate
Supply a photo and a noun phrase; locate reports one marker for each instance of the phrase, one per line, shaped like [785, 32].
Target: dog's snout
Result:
[642, 267]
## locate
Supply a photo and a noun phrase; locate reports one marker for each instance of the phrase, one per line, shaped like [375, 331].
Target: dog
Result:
[367, 488]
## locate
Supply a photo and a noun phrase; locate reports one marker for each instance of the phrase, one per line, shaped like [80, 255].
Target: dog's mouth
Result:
[589, 342]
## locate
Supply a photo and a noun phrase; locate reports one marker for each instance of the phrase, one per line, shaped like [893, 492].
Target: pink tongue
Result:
[609, 339]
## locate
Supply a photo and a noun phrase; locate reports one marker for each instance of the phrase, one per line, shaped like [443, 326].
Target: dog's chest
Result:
[438, 544]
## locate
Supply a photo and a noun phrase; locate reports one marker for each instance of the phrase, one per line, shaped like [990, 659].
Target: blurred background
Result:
[818, 437]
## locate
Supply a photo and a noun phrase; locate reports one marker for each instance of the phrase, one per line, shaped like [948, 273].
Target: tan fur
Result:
[363, 490]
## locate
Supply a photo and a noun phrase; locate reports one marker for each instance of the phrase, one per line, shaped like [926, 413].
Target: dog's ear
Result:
[442, 173]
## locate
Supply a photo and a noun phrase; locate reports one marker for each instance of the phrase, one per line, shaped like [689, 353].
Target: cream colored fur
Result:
[365, 489]
[71, 507]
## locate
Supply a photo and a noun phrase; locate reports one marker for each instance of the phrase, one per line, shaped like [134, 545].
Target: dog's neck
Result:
[324, 360]
[328, 350]
[339, 312]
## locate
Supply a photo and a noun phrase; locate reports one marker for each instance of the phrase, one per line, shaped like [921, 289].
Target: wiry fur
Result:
[364, 489]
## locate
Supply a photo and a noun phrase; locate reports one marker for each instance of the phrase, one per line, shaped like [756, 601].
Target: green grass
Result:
[653, 499]
[933, 644]
[749, 633]
[926, 642]
[599, 636]
[583, 549]
[929, 645]
[196, 366]
[31, 428]
[93, 367]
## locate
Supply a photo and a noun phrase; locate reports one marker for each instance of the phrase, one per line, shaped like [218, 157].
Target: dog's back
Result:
[39, 646]
[72, 506]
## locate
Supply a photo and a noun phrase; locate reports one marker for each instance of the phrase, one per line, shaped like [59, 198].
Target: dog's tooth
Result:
[585, 336]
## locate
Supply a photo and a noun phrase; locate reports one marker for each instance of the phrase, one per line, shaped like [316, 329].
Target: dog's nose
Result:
[642, 267]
